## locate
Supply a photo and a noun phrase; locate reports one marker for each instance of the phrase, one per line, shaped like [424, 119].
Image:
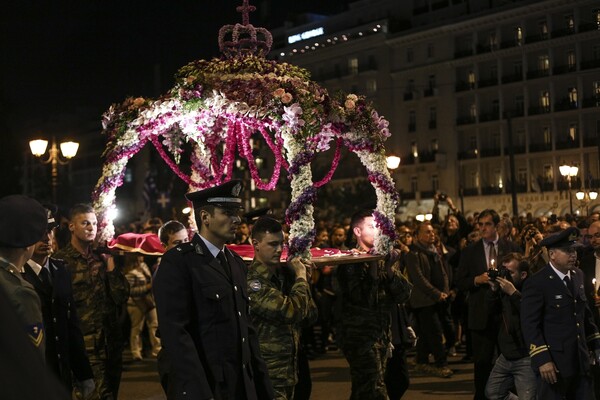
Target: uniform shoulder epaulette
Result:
[183, 247]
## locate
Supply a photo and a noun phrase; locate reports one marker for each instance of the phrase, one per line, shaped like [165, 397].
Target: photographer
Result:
[536, 255]
[513, 365]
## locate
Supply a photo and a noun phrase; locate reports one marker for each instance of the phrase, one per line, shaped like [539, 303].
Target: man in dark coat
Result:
[472, 276]
[558, 325]
[65, 348]
[202, 302]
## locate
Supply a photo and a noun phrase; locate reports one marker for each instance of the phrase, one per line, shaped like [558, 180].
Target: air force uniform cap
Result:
[565, 239]
[226, 195]
[23, 221]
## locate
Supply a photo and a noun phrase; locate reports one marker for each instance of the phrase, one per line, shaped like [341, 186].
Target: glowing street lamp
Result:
[392, 162]
[68, 149]
[569, 171]
[585, 198]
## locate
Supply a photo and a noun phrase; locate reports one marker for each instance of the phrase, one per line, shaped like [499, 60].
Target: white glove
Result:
[412, 336]
[87, 388]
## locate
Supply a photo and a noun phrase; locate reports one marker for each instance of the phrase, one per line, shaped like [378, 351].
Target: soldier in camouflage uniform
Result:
[280, 301]
[22, 223]
[369, 291]
[99, 291]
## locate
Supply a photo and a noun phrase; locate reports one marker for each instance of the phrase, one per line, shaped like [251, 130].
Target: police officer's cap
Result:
[251, 216]
[226, 195]
[564, 239]
[23, 221]
[51, 211]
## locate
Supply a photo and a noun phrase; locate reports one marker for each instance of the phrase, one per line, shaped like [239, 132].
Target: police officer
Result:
[280, 302]
[22, 223]
[557, 323]
[202, 303]
[65, 349]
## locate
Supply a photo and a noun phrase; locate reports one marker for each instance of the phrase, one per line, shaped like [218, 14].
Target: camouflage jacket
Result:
[279, 306]
[367, 302]
[98, 294]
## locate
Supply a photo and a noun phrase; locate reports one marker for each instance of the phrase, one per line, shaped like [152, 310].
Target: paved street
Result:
[331, 381]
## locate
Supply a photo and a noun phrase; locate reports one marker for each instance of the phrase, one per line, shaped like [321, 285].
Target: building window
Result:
[473, 143]
[570, 22]
[414, 184]
[410, 55]
[410, 87]
[471, 79]
[412, 121]
[520, 104]
[434, 145]
[474, 179]
[545, 100]
[519, 36]
[431, 82]
[597, 89]
[473, 110]
[547, 135]
[597, 17]
[372, 62]
[430, 50]
[496, 141]
[522, 176]
[548, 173]
[496, 107]
[494, 72]
[571, 60]
[573, 96]
[543, 63]
[435, 183]
[414, 149]
[353, 66]
[493, 41]
[371, 86]
[573, 131]
[432, 117]
[518, 68]
[544, 29]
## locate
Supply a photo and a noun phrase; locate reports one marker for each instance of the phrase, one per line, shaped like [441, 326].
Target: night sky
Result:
[65, 56]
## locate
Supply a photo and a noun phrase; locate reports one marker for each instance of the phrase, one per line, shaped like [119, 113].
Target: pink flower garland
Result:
[167, 159]
[334, 164]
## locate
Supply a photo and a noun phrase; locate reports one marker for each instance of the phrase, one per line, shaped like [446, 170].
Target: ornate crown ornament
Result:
[244, 39]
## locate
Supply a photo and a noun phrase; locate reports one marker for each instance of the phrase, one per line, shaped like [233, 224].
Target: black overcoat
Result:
[204, 328]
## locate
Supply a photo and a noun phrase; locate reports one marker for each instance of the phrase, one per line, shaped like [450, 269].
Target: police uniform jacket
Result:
[25, 302]
[65, 349]
[558, 325]
[473, 262]
[204, 328]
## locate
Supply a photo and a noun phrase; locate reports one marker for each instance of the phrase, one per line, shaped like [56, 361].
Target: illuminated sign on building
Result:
[306, 35]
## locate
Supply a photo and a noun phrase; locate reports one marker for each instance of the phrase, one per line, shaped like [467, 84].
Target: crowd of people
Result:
[518, 295]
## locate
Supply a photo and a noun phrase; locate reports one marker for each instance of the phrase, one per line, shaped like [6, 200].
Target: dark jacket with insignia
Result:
[25, 302]
[279, 304]
[65, 349]
[203, 322]
[558, 325]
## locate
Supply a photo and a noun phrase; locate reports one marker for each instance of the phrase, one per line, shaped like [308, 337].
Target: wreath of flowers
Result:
[217, 106]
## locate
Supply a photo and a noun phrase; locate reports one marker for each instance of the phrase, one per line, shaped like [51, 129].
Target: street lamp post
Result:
[585, 198]
[569, 171]
[393, 162]
[68, 150]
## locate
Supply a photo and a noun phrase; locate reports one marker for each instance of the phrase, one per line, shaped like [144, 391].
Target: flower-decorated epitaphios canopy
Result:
[217, 105]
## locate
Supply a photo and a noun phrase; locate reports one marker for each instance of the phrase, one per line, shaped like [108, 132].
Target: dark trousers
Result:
[303, 388]
[447, 322]
[484, 347]
[577, 387]
[396, 374]
[430, 332]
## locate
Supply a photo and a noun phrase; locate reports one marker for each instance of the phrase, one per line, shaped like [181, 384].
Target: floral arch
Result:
[217, 105]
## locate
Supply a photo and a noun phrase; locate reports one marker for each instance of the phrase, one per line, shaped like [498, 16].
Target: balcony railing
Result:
[537, 147]
[591, 101]
[463, 53]
[467, 154]
[562, 32]
[489, 190]
[512, 78]
[589, 26]
[429, 92]
[407, 196]
[517, 149]
[590, 141]
[487, 82]
[516, 112]
[537, 73]
[536, 38]
[565, 104]
[465, 120]
[483, 48]
[461, 86]
[509, 43]
[490, 152]
[427, 194]
[470, 192]
[567, 144]
[563, 69]
[589, 64]
[536, 110]
[426, 157]
[409, 96]
[493, 116]
[547, 186]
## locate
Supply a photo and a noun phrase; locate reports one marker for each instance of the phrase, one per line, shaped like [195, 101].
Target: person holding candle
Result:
[590, 265]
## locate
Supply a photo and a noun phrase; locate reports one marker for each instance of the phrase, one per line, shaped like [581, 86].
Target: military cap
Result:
[252, 216]
[23, 221]
[51, 211]
[564, 239]
[225, 195]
